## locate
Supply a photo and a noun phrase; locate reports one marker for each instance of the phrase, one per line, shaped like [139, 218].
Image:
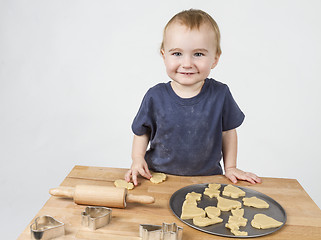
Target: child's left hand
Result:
[234, 174]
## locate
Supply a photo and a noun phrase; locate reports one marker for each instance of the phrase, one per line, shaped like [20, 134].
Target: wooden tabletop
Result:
[303, 215]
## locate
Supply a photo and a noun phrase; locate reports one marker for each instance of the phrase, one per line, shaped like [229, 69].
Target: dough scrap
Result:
[226, 204]
[212, 212]
[255, 202]
[205, 221]
[262, 221]
[158, 177]
[233, 192]
[121, 183]
[190, 211]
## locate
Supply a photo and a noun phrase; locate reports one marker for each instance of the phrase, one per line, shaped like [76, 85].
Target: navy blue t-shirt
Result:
[186, 133]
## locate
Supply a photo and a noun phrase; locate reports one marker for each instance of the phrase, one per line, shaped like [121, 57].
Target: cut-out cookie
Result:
[121, 183]
[227, 204]
[194, 195]
[189, 207]
[191, 201]
[212, 190]
[158, 177]
[255, 202]
[205, 221]
[239, 221]
[235, 229]
[239, 212]
[190, 211]
[212, 212]
[235, 221]
[215, 186]
[239, 233]
[233, 192]
[262, 221]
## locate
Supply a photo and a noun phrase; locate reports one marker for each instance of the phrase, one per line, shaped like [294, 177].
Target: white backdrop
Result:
[73, 74]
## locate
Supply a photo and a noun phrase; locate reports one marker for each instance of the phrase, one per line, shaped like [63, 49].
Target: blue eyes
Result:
[178, 54]
[198, 54]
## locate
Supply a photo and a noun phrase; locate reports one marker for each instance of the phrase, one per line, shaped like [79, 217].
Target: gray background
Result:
[73, 74]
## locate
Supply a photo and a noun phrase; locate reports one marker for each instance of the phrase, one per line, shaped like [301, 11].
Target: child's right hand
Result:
[139, 167]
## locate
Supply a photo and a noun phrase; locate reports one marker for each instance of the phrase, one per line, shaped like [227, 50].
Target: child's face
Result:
[189, 55]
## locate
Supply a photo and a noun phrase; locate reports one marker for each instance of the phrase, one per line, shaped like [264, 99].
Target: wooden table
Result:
[303, 215]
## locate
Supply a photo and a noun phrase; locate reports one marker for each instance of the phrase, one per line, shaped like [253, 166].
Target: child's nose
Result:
[187, 62]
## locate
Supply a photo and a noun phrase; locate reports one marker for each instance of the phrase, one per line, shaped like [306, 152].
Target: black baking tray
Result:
[275, 211]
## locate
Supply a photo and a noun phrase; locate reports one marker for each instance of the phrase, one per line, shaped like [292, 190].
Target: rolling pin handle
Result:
[66, 192]
[140, 199]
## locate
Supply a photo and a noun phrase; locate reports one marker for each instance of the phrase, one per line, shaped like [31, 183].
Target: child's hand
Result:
[139, 167]
[234, 174]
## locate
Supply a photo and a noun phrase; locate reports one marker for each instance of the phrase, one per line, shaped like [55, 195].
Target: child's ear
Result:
[163, 53]
[217, 57]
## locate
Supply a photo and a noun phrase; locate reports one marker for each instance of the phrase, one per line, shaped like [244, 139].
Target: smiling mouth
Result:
[187, 73]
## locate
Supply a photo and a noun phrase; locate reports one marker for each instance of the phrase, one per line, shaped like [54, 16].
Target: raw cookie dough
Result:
[212, 190]
[212, 212]
[193, 195]
[262, 221]
[205, 221]
[255, 202]
[190, 211]
[158, 177]
[239, 212]
[189, 208]
[235, 221]
[215, 186]
[121, 183]
[233, 192]
[226, 204]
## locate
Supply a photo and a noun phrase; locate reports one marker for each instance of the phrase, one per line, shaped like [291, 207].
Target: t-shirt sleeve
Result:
[233, 117]
[142, 123]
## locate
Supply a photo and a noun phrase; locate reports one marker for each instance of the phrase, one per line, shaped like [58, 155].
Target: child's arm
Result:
[229, 158]
[139, 165]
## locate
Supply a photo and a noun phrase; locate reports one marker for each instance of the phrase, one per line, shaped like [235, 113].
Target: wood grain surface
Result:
[303, 215]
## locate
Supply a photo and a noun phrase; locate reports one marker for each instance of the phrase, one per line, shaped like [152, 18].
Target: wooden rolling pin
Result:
[100, 195]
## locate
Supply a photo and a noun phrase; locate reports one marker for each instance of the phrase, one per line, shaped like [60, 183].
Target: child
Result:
[190, 122]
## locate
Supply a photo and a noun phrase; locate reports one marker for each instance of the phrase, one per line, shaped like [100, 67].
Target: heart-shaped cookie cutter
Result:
[160, 232]
[46, 227]
[96, 217]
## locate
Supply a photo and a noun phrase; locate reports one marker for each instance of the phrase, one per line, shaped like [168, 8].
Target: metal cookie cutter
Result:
[96, 217]
[163, 232]
[46, 227]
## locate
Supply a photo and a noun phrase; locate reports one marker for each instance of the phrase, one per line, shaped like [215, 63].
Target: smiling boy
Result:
[190, 122]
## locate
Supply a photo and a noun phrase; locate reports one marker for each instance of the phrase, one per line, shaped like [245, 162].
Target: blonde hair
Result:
[193, 19]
